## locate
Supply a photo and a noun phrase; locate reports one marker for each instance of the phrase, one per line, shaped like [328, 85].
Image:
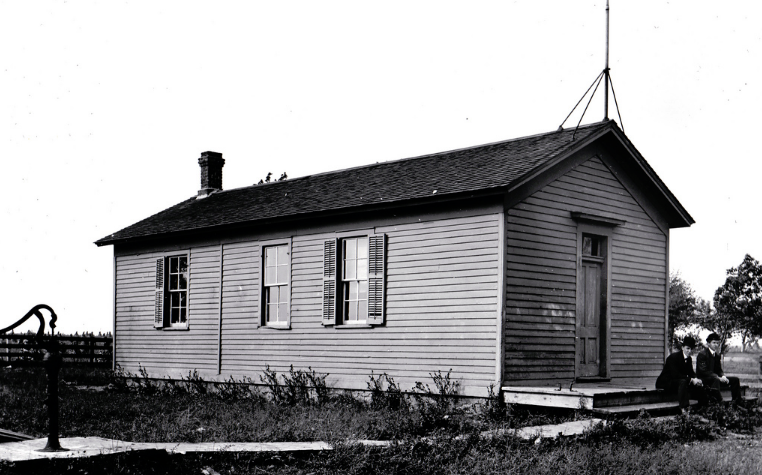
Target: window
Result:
[276, 285]
[354, 295]
[354, 279]
[591, 245]
[171, 304]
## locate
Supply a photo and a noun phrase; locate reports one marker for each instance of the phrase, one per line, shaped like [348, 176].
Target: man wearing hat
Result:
[709, 369]
[678, 376]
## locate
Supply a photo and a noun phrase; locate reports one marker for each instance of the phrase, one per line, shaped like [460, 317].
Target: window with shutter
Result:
[354, 281]
[171, 300]
[158, 315]
[376, 257]
[329, 282]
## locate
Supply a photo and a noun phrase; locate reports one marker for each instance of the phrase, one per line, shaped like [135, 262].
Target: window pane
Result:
[587, 246]
[362, 293]
[173, 265]
[174, 300]
[352, 290]
[283, 294]
[271, 275]
[282, 312]
[270, 257]
[362, 269]
[346, 310]
[182, 315]
[272, 313]
[283, 274]
[362, 247]
[353, 310]
[362, 312]
[173, 282]
[282, 255]
[183, 264]
[350, 273]
[350, 248]
[183, 297]
[183, 284]
[175, 315]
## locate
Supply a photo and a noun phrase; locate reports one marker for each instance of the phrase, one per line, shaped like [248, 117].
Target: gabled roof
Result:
[440, 176]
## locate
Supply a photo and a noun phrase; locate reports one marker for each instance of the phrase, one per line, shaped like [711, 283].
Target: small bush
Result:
[494, 408]
[384, 397]
[232, 390]
[299, 387]
[435, 407]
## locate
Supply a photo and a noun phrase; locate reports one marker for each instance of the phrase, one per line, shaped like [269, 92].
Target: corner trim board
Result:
[500, 350]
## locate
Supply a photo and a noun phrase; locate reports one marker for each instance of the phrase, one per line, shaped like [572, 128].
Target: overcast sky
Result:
[106, 106]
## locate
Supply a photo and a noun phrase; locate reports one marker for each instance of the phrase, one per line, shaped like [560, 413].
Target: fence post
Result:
[52, 362]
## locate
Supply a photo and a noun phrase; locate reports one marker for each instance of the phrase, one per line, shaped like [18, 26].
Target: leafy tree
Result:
[283, 176]
[739, 300]
[682, 304]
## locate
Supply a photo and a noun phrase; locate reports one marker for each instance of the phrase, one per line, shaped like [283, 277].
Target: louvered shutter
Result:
[329, 282]
[376, 283]
[158, 312]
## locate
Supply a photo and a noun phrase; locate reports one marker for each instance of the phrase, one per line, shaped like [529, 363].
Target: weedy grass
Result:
[434, 429]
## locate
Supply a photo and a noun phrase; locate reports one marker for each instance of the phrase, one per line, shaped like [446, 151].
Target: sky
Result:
[105, 108]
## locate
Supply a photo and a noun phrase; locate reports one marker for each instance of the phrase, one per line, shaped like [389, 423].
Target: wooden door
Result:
[589, 319]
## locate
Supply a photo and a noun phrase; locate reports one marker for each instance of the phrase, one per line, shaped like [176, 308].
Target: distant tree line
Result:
[735, 310]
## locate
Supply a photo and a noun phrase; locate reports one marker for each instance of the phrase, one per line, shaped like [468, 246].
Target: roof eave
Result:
[364, 208]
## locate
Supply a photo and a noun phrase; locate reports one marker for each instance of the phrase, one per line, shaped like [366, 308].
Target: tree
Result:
[283, 176]
[739, 300]
[682, 304]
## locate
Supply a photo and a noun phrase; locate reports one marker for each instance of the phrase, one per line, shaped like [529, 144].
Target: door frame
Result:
[604, 229]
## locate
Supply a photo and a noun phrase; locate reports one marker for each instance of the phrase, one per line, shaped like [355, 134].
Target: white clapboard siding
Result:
[441, 309]
[539, 331]
[139, 343]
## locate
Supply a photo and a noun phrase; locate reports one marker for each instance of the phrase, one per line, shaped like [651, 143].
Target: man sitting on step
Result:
[678, 376]
[709, 369]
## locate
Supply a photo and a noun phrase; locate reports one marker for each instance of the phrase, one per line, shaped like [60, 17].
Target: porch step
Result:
[655, 408]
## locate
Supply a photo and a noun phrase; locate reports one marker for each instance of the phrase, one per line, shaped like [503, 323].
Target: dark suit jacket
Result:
[708, 366]
[676, 367]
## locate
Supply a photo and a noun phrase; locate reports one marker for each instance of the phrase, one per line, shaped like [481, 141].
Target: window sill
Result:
[275, 327]
[353, 325]
[176, 329]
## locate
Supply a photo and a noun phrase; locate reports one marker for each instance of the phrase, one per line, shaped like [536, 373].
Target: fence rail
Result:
[23, 350]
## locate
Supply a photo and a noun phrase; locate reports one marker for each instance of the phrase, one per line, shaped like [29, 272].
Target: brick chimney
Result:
[211, 164]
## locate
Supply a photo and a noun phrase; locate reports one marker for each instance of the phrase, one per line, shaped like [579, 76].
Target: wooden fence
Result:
[21, 350]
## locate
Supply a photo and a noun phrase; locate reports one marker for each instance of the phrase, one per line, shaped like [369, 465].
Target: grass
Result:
[447, 456]
[435, 432]
[190, 411]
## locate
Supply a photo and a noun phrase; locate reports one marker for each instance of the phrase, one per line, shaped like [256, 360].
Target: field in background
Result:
[746, 366]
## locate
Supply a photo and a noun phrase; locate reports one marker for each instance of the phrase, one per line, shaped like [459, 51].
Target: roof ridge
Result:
[416, 157]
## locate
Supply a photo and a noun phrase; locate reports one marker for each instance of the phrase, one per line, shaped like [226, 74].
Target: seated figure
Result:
[709, 369]
[678, 376]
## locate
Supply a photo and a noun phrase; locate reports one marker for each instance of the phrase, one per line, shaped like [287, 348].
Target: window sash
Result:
[354, 276]
[177, 289]
[276, 270]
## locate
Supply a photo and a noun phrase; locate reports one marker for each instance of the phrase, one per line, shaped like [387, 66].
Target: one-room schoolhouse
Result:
[533, 261]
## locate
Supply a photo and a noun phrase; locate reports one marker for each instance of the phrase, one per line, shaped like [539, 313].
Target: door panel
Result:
[589, 328]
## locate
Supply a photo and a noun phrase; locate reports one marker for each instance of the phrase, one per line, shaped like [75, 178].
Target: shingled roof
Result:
[481, 168]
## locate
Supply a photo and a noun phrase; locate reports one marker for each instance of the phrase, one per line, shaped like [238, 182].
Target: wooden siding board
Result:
[456, 258]
[541, 253]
